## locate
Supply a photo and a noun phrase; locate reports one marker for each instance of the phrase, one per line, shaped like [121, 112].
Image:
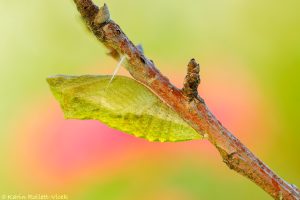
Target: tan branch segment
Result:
[196, 113]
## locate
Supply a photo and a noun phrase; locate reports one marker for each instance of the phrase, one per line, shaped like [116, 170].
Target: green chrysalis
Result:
[126, 105]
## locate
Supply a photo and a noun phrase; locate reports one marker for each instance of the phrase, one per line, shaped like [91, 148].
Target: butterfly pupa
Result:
[128, 106]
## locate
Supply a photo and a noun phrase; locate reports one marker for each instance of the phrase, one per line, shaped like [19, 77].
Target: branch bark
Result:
[186, 102]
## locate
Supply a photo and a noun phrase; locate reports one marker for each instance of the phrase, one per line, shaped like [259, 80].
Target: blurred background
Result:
[249, 53]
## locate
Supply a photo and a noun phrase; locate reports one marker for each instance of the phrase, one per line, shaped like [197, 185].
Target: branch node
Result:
[140, 48]
[103, 15]
[192, 80]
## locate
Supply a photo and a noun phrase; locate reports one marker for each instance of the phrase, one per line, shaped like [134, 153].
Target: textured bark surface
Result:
[185, 102]
[192, 80]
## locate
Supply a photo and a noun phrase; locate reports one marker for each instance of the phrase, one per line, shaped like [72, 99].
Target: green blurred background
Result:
[250, 57]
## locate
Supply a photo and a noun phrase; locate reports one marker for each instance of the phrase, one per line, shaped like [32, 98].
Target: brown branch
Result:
[186, 102]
